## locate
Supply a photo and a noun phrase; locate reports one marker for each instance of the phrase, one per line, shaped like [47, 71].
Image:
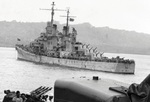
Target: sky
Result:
[132, 15]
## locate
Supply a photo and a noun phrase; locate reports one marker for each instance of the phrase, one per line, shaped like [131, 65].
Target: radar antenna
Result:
[52, 13]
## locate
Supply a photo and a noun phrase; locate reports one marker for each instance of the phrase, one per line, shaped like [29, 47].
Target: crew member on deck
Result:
[17, 98]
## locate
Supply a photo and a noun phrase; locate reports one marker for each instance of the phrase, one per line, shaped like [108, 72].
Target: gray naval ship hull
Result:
[113, 67]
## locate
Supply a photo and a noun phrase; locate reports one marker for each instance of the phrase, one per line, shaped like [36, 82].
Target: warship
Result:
[86, 89]
[53, 47]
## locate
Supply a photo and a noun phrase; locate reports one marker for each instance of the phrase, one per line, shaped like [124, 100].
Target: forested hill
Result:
[105, 38]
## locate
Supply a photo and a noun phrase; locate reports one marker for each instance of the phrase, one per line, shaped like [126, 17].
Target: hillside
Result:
[105, 38]
[114, 40]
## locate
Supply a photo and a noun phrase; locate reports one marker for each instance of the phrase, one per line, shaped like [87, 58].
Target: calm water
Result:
[26, 76]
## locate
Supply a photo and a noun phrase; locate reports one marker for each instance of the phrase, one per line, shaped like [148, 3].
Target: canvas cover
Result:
[140, 92]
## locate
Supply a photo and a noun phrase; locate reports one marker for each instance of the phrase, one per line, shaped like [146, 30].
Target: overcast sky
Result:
[119, 14]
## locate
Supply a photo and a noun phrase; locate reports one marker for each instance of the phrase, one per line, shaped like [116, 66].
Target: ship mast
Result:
[52, 14]
[67, 21]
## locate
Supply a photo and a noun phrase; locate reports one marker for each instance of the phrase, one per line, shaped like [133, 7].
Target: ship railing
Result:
[125, 61]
